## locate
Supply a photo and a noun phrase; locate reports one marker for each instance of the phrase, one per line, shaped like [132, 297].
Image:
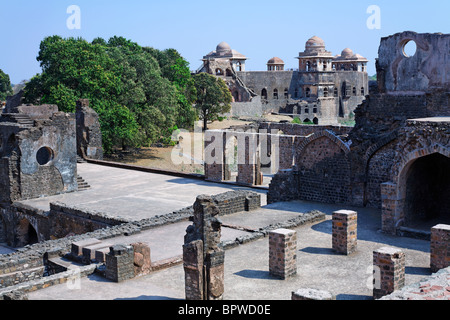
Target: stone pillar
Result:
[119, 263]
[193, 270]
[440, 247]
[312, 294]
[249, 166]
[345, 225]
[89, 136]
[388, 207]
[389, 271]
[203, 256]
[214, 155]
[142, 259]
[283, 253]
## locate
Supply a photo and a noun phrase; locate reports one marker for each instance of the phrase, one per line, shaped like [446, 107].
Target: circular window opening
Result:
[44, 155]
[409, 48]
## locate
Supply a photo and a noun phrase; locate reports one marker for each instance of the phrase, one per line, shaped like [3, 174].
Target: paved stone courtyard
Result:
[247, 265]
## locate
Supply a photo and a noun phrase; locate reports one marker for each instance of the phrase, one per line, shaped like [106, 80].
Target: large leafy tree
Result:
[5, 86]
[136, 103]
[213, 97]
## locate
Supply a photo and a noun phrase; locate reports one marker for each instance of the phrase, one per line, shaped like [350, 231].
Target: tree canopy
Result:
[5, 86]
[213, 97]
[141, 94]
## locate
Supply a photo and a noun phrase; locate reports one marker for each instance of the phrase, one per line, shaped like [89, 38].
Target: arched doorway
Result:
[26, 234]
[427, 191]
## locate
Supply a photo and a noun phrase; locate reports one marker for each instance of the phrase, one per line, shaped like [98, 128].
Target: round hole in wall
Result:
[409, 48]
[44, 155]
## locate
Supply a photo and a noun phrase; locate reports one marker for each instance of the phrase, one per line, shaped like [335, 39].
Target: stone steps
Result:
[19, 118]
[89, 250]
[82, 184]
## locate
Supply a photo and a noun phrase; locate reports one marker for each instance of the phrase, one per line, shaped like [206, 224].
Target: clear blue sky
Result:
[259, 29]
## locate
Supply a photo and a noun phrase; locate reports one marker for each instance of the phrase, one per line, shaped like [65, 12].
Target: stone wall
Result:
[28, 262]
[89, 136]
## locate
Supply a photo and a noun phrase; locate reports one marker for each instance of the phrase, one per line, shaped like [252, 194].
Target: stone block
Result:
[312, 294]
[344, 231]
[89, 251]
[283, 253]
[77, 247]
[440, 247]
[389, 271]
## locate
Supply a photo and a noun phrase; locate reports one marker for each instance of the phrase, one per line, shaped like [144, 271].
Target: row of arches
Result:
[346, 91]
[228, 72]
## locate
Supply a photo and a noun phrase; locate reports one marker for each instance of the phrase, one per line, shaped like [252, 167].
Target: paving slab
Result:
[247, 266]
[135, 195]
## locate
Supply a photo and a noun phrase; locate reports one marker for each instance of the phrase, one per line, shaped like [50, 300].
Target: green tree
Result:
[5, 86]
[136, 103]
[213, 97]
[176, 69]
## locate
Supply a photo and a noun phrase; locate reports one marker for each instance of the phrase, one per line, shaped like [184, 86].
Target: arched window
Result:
[238, 66]
[264, 93]
[308, 92]
[336, 93]
[286, 93]
[325, 92]
[219, 72]
[275, 93]
[308, 66]
[315, 109]
[316, 121]
[362, 91]
[354, 91]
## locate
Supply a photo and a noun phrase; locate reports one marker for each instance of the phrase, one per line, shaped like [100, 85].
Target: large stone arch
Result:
[323, 166]
[396, 197]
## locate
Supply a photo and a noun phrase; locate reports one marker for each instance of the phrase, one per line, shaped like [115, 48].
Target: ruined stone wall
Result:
[324, 172]
[89, 136]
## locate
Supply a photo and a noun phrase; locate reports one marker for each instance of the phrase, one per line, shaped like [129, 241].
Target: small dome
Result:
[223, 46]
[315, 42]
[275, 60]
[347, 53]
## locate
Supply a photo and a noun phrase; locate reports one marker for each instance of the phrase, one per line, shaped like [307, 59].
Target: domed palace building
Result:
[324, 89]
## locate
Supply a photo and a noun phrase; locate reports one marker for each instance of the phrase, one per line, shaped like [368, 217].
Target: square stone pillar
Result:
[389, 271]
[344, 229]
[389, 206]
[203, 255]
[193, 270]
[283, 253]
[249, 166]
[214, 155]
[440, 247]
[120, 263]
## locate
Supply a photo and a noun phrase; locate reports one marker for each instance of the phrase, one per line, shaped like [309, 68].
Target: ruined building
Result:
[396, 158]
[325, 87]
[39, 144]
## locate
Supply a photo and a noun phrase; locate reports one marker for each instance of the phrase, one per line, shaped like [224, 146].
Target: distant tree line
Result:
[141, 94]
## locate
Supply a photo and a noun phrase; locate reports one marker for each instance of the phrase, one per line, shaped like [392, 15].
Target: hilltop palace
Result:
[325, 88]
